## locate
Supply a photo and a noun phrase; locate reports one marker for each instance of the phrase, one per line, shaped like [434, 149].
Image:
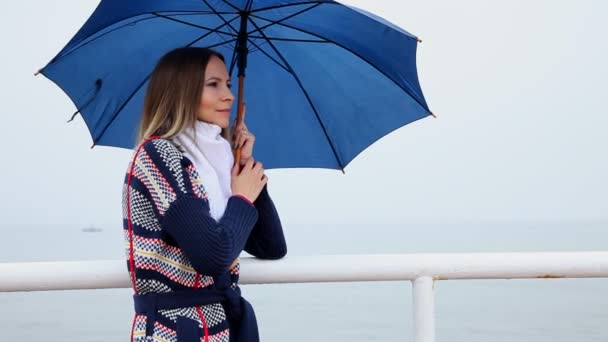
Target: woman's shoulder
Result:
[160, 153]
[160, 158]
[161, 148]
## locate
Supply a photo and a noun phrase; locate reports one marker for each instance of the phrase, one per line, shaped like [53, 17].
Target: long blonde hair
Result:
[174, 93]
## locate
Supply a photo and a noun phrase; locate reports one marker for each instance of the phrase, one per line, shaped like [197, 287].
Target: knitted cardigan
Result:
[173, 244]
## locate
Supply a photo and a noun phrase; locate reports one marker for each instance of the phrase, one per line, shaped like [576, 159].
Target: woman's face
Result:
[217, 98]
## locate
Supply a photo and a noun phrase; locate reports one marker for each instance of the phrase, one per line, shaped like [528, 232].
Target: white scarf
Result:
[212, 157]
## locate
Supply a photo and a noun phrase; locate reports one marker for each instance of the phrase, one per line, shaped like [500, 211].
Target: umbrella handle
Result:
[239, 117]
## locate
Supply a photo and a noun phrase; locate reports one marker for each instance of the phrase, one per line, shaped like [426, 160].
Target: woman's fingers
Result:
[240, 137]
[258, 167]
[247, 139]
[244, 138]
[249, 164]
[240, 141]
[237, 128]
[255, 167]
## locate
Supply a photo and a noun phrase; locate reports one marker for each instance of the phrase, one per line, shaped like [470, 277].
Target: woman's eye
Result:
[229, 86]
[213, 84]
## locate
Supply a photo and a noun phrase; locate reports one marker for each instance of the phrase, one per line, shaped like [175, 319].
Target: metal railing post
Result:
[424, 309]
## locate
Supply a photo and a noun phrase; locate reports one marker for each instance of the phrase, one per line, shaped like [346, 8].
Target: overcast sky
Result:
[519, 88]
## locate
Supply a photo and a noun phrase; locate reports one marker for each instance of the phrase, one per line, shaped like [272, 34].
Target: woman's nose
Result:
[228, 95]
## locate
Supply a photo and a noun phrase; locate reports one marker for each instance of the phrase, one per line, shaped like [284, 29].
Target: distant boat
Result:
[91, 229]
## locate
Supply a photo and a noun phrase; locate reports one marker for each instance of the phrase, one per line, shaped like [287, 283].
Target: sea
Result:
[541, 310]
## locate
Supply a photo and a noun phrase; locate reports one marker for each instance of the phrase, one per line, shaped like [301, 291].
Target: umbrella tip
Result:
[419, 40]
[94, 144]
[433, 115]
[38, 72]
[73, 116]
[343, 172]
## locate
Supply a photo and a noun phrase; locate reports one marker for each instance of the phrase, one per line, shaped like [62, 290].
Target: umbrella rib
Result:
[234, 52]
[354, 53]
[273, 22]
[299, 82]
[260, 29]
[291, 5]
[221, 17]
[292, 40]
[195, 12]
[268, 55]
[195, 25]
[148, 76]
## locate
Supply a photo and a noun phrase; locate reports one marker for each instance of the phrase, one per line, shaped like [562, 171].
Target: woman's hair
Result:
[174, 92]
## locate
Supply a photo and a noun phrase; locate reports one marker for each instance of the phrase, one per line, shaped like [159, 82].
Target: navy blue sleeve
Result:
[210, 246]
[266, 240]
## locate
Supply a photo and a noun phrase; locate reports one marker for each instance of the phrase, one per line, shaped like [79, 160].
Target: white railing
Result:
[422, 269]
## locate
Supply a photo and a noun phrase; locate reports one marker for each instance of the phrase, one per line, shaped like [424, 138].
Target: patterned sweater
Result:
[174, 245]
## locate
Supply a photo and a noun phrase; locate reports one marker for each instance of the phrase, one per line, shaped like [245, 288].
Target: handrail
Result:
[422, 269]
[76, 275]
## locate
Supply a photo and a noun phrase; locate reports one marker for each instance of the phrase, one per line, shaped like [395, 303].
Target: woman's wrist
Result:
[244, 198]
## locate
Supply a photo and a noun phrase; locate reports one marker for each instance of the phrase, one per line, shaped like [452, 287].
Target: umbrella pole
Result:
[242, 51]
[239, 117]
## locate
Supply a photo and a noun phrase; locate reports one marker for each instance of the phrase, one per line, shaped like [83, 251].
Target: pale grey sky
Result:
[518, 87]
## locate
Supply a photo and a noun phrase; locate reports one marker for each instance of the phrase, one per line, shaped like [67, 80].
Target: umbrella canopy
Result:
[324, 80]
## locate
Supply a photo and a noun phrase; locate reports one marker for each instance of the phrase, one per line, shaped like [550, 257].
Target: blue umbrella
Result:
[325, 80]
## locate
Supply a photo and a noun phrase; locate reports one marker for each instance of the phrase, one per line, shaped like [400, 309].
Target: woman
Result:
[189, 212]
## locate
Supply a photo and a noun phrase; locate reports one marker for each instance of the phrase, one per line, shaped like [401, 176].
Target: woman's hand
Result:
[249, 180]
[243, 139]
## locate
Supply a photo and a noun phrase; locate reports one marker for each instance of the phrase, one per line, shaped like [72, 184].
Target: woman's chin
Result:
[224, 124]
